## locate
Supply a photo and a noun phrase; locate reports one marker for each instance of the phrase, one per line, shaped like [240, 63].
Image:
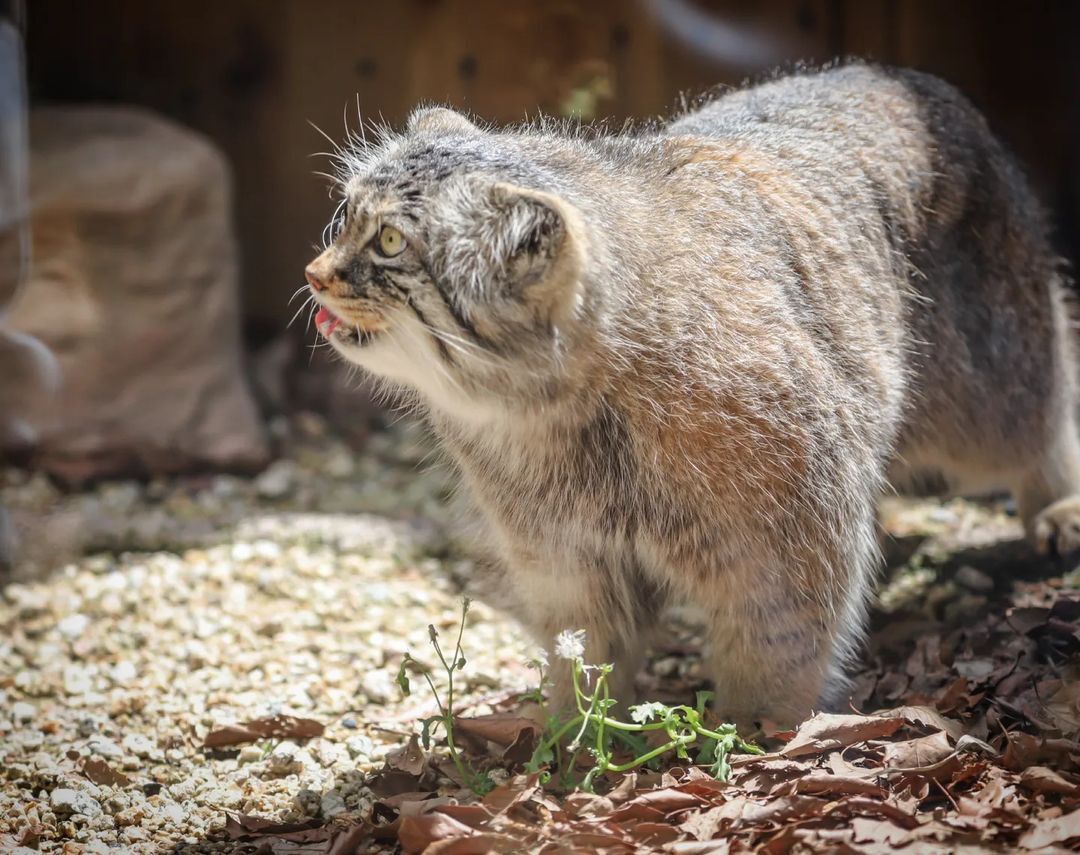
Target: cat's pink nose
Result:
[314, 281]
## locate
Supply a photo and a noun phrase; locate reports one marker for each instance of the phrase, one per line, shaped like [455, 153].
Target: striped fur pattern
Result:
[679, 365]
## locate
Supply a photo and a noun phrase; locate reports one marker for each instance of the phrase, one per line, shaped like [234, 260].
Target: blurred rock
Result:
[134, 288]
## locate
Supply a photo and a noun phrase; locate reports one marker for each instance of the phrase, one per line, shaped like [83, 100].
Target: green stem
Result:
[645, 758]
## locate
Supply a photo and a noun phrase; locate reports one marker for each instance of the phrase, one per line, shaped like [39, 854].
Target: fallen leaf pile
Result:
[982, 756]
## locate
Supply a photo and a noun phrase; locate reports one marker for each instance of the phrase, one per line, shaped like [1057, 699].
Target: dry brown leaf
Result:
[244, 827]
[667, 799]
[1025, 620]
[588, 805]
[503, 729]
[826, 732]
[918, 753]
[102, 773]
[927, 717]
[474, 816]
[1062, 704]
[477, 844]
[1048, 832]
[409, 758]
[768, 774]
[654, 833]
[707, 824]
[872, 830]
[824, 784]
[1024, 749]
[776, 810]
[392, 783]
[275, 727]
[514, 792]
[416, 833]
[1040, 779]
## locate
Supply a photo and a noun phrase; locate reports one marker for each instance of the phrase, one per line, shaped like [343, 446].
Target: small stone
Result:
[974, 579]
[277, 481]
[104, 746]
[73, 626]
[87, 727]
[22, 711]
[139, 745]
[349, 723]
[340, 464]
[65, 802]
[306, 803]
[78, 680]
[249, 754]
[284, 760]
[332, 804]
[173, 812]
[123, 673]
[29, 738]
[378, 687]
[359, 746]
[666, 667]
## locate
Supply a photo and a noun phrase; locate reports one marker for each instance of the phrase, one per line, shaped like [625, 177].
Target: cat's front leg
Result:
[580, 611]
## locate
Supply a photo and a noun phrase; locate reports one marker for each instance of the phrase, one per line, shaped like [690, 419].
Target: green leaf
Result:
[706, 755]
[701, 701]
[721, 769]
[542, 756]
[644, 713]
[425, 730]
[402, 678]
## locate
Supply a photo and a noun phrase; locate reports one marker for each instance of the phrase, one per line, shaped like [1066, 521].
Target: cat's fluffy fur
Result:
[679, 366]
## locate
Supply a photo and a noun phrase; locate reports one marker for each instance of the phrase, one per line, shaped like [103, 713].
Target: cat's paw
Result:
[1056, 530]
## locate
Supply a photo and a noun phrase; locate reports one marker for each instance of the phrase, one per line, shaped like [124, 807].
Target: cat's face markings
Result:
[452, 276]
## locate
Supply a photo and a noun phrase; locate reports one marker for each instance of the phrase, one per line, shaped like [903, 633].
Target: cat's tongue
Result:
[326, 321]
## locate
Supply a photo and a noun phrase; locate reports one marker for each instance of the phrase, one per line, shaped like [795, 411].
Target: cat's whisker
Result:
[298, 292]
[333, 144]
[304, 305]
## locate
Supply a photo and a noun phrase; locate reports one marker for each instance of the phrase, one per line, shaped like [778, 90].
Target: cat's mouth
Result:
[334, 328]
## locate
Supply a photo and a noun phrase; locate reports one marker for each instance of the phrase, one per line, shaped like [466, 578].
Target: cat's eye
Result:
[391, 241]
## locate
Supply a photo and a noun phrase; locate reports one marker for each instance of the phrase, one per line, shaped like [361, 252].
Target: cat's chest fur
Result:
[562, 487]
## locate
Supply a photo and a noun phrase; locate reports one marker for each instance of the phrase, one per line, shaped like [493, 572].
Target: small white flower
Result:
[570, 644]
[647, 712]
[539, 661]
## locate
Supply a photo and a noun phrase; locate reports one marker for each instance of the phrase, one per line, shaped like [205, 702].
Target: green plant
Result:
[593, 729]
[476, 781]
[597, 732]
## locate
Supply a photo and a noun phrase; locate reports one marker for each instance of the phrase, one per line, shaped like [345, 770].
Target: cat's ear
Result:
[538, 244]
[440, 120]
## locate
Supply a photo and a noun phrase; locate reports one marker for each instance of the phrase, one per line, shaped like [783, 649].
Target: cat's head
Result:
[454, 271]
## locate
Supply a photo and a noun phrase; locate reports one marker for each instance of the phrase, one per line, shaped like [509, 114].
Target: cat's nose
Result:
[313, 279]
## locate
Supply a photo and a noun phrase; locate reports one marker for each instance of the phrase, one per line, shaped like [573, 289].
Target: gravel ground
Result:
[166, 610]
[296, 592]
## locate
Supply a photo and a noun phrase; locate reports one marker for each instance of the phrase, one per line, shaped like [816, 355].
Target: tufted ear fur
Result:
[537, 245]
[440, 120]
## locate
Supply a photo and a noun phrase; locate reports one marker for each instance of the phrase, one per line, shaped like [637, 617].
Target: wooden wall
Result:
[252, 73]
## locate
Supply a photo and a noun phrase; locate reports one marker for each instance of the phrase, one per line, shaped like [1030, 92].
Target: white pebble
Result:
[104, 746]
[73, 626]
[78, 680]
[332, 804]
[65, 801]
[123, 672]
[359, 746]
[139, 745]
[22, 711]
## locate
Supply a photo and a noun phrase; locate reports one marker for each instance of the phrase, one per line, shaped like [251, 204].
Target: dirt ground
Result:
[148, 618]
